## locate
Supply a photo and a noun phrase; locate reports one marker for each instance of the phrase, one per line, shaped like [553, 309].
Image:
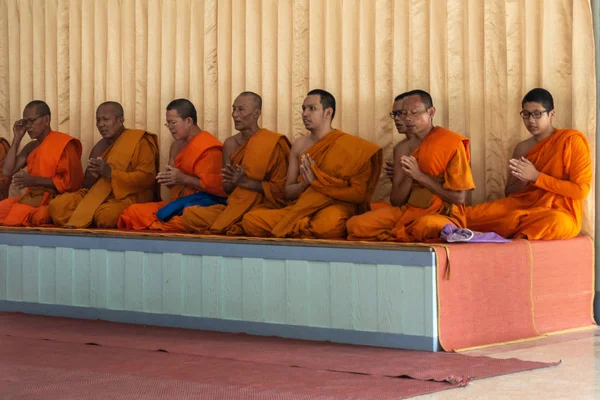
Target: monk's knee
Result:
[553, 225]
[254, 225]
[427, 227]
[107, 215]
[192, 220]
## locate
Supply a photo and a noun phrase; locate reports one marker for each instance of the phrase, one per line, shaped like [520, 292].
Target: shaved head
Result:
[40, 107]
[257, 99]
[115, 107]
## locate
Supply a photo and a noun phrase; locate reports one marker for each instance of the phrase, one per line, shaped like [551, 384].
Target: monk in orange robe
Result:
[53, 161]
[254, 175]
[331, 176]
[195, 164]
[121, 171]
[430, 186]
[550, 175]
[4, 180]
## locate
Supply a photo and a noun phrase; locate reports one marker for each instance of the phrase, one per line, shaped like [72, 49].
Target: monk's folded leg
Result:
[547, 225]
[107, 215]
[61, 208]
[330, 222]
[139, 216]
[198, 219]
[427, 227]
[260, 223]
[175, 224]
[373, 225]
[6, 205]
[40, 217]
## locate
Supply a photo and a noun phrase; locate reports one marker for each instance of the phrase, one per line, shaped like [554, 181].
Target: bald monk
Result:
[4, 180]
[120, 172]
[403, 148]
[194, 170]
[254, 173]
[331, 176]
[550, 175]
[430, 185]
[53, 161]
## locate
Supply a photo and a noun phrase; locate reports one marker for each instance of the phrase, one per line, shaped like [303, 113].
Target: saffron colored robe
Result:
[133, 159]
[201, 157]
[57, 157]
[444, 155]
[264, 158]
[4, 180]
[552, 206]
[346, 170]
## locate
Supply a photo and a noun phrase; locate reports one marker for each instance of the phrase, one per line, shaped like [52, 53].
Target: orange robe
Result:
[4, 180]
[552, 206]
[347, 170]
[133, 159]
[271, 170]
[201, 157]
[444, 155]
[57, 157]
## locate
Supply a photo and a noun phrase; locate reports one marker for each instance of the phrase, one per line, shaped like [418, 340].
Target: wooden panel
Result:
[81, 278]
[414, 313]
[364, 289]
[3, 280]
[172, 284]
[14, 273]
[134, 282]
[47, 275]
[274, 295]
[296, 292]
[191, 275]
[229, 300]
[31, 274]
[319, 294]
[211, 287]
[390, 298]
[342, 307]
[252, 289]
[152, 277]
[64, 276]
[115, 296]
[98, 278]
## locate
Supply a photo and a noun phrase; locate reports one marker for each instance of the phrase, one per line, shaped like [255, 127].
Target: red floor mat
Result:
[202, 364]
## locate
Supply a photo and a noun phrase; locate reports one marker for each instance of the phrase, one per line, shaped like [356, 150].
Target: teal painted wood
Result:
[363, 297]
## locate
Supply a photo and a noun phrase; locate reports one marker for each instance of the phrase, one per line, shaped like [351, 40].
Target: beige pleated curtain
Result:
[476, 57]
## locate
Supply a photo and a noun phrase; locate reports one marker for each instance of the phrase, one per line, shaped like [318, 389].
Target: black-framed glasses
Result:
[535, 114]
[395, 114]
[31, 121]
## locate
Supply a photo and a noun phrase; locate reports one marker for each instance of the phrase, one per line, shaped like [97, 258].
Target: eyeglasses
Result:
[31, 121]
[406, 114]
[395, 114]
[172, 124]
[535, 114]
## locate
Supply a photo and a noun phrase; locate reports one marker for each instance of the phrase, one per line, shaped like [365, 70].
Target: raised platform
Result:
[381, 295]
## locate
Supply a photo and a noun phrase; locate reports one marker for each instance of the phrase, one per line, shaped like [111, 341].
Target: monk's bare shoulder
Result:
[523, 147]
[99, 148]
[176, 148]
[301, 144]
[232, 143]
[29, 147]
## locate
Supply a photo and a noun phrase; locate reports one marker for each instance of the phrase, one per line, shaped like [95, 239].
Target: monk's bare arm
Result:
[229, 147]
[513, 184]
[293, 188]
[90, 178]
[251, 184]
[401, 183]
[13, 162]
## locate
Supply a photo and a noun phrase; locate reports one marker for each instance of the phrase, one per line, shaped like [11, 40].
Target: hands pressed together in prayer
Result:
[305, 169]
[410, 166]
[233, 175]
[523, 170]
[172, 176]
[23, 180]
[99, 167]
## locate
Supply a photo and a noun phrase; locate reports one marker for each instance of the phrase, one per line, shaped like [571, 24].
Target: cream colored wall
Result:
[477, 58]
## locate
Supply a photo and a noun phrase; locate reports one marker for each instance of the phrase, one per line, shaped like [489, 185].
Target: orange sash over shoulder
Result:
[118, 156]
[188, 161]
[4, 180]
[252, 156]
[347, 170]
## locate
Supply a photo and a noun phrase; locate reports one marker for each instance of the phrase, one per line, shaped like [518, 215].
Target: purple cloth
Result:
[452, 234]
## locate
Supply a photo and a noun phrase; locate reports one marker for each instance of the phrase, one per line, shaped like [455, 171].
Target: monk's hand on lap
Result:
[100, 167]
[523, 170]
[388, 169]
[22, 180]
[410, 166]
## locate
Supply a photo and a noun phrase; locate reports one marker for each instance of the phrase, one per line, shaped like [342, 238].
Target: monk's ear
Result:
[551, 115]
[121, 119]
[329, 112]
[431, 112]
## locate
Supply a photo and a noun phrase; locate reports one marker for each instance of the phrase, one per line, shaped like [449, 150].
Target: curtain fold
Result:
[476, 58]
